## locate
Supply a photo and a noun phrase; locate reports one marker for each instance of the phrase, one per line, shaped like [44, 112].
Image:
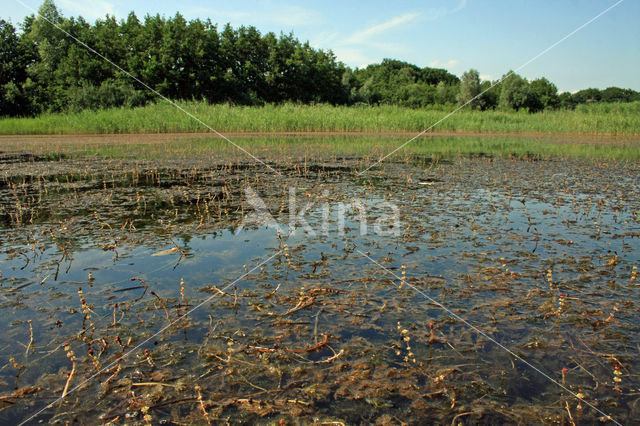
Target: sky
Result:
[491, 36]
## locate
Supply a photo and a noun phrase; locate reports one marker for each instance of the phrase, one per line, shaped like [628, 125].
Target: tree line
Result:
[43, 69]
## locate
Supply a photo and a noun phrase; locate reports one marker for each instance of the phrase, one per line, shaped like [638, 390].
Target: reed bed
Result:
[609, 119]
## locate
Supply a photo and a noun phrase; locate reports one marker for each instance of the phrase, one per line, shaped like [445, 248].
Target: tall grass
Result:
[614, 119]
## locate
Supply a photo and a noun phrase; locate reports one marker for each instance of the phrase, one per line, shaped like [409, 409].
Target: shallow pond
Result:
[154, 291]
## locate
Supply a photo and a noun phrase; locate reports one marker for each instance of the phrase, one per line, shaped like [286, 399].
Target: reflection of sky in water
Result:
[212, 260]
[504, 227]
[458, 232]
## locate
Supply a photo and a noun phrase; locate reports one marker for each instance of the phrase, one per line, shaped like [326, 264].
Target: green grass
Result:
[369, 149]
[523, 148]
[610, 119]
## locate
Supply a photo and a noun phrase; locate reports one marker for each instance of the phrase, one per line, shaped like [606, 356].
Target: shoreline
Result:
[98, 138]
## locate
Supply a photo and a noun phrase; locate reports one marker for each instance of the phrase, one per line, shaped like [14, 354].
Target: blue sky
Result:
[491, 36]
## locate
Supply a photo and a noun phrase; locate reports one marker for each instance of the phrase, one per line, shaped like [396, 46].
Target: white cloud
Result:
[325, 39]
[437, 13]
[287, 16]
[353, 56]
[88, 10]
[295, 15]
[357, 49]
[366, 46]
[371, 41]
[487, 77]
[366, 34]
[461, 5]
[444, 64]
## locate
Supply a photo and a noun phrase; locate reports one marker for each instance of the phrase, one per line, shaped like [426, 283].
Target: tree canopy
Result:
[470, 90]
[43, 69]
[180, 59]
[397, 82]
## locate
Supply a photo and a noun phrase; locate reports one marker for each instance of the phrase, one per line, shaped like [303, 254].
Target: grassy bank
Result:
[617, 119]
[369, 149]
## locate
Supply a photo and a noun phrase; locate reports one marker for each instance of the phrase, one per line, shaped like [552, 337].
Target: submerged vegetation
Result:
[129, 287]
[151, 273]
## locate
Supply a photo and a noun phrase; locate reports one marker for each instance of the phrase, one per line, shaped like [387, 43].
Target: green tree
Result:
[434, 76]
[51, 45]
[586, 95]
[470, 89]
[566, 100]
[514, 92]
[544, 94]
[366, 93]
[446, 94]
[616, 94]
[401, 83]
[43, 69]
[490, 94]
[209, 67]
[14, 59]
[418, 95]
